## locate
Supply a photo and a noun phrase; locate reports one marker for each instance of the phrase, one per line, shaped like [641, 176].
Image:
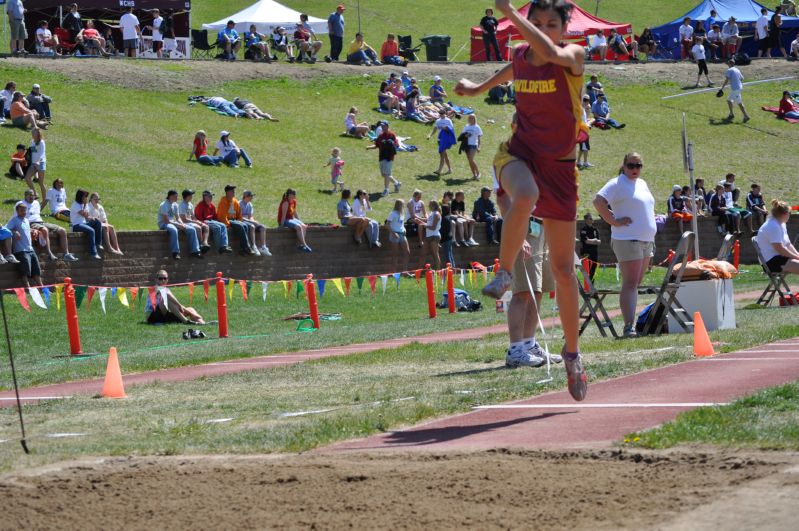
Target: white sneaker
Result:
[538, 350]
[265, 251]
[2, 260]
[256, 252]
[11, 259]
[522, 358]
[471, 242]
[69, 257]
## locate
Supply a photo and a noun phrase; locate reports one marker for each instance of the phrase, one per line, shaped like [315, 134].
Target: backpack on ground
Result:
[741, 58]
[463, 302]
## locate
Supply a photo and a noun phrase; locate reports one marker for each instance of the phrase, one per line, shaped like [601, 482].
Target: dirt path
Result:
[201, 75]
[485, 490]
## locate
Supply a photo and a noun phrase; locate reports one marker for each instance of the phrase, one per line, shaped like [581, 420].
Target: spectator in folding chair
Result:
[281, 43]
[756, 205]
[46, 42]
[619, 46]
[728, 221]
[229, 40]
[307, 44]
[257, 45]
[598, 46]
[92, 43]
[678, 210]
[772, 238]
[632, 222]
[647, 44]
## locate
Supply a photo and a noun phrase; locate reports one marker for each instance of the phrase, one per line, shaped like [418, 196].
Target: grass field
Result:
[303, 406]
[768, 420]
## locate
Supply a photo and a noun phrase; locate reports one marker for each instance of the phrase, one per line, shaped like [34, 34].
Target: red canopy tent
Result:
[580, 26]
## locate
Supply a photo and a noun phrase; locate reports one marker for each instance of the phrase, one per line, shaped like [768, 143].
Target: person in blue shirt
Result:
[335, 29]
[437, 92]
[712, 19]
[735, 78]
[257, 44]
[229, 40]
[485, 211]
[23, 247]
[601, 112]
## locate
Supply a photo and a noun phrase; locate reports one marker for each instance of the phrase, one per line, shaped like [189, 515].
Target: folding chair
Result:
[406, 48]
[593, 306]
[65, 44]
[776, 282]
[726, 247]
[666, 302]
[200, 45]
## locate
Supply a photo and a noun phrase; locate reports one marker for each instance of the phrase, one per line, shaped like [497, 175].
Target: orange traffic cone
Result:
[702, 345]
[113, 387]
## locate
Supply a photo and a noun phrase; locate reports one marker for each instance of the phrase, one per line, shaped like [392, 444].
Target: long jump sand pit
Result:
[493, 489]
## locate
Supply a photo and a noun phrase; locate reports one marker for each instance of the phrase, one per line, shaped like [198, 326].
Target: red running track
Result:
[612, 409]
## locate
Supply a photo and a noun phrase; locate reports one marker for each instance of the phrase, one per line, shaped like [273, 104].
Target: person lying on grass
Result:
[167, 308]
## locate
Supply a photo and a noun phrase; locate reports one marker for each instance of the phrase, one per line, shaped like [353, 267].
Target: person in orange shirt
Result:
[19, 163]
[21, 115]
[287, 217]
[389, 52]
[229, 212]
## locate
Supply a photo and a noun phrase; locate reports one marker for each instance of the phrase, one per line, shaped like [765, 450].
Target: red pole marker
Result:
[431, 291]
[450, 290]
[736, 254]
[587, 273]
[72, 318]
[221, 306]
[310, 289]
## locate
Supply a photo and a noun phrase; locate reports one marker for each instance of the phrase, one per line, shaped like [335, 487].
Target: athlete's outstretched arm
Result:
[470, 88]
[571, 56]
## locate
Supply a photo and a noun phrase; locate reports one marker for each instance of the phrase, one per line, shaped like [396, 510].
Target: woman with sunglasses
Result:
[628, 206]
[167, 308]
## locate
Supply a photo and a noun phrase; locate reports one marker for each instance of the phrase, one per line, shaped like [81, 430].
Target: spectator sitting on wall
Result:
[167, 308]
[23, 247]
[228, 39]
[97, 211]
[287, 217]
[728, 221]
[693, 202]
[40, 102]
[756, 205]
[349, 219]
[732, 205]
[677, 207]
[397, 236]
[229, 213]
[205, 213]
[485, 211]
[169, 220]
[34, 209]
[701, 197]
[187, 217]
[360, 207]
[257, 229]
[19, 164]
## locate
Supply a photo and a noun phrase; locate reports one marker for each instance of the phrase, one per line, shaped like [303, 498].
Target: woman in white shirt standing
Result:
[38, 164]
[360, 207]
[432, 238]
[473, 144]
[97, 211]
[632, 222]
[446, 139]
[775, 246]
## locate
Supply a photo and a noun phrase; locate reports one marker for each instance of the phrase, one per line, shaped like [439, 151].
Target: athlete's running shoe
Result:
[499, 285]
[578, 381]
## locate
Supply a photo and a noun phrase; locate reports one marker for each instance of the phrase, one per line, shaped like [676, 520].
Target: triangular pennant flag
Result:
[372, 283]
[102, 292]
[321, 285]
[243, 286]
[286, 287]
[206, 287]
[123, 297]
[300, 287]
[58, 289]
[384, 280]
[418, 275]
[249, 286]
[89, 295]
[23, 299]
[134, 292]
[397, 277]
[191, 293]
[347, 281]
[80, 292]
[337, 283]
[359, 282]
[46, 295]
[113, 292]
[36, 297]
[230, 289]
[264, 289]
[150, 298]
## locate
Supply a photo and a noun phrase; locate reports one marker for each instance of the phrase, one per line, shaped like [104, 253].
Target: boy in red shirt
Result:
[19, 164]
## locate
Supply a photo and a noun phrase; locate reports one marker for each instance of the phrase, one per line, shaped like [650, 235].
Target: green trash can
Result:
[436, 47]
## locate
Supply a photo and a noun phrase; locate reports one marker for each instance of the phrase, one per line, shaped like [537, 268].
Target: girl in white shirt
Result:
[396, 236]
[97, 211]
[433, 235]
[417, 215]
[360, 207]
[473, 144]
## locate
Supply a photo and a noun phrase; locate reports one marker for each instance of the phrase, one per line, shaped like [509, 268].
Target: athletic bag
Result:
[741, 58]
[463, 302]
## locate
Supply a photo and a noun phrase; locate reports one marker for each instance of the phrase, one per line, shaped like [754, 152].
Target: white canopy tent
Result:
[267, 15]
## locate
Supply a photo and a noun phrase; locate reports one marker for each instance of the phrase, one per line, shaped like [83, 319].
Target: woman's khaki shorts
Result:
[537, 268]
[631, 250]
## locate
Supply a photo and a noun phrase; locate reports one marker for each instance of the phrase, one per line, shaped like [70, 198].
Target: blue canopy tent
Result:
[746, 13]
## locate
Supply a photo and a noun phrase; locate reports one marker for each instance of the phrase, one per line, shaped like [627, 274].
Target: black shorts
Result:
[775, 264]
[28, 264]
[158, 46]
[161, 316]
[764, 45]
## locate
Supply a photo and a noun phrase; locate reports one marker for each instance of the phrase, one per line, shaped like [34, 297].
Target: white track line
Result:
[749, 359]
[602, 406]
[35, 398]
